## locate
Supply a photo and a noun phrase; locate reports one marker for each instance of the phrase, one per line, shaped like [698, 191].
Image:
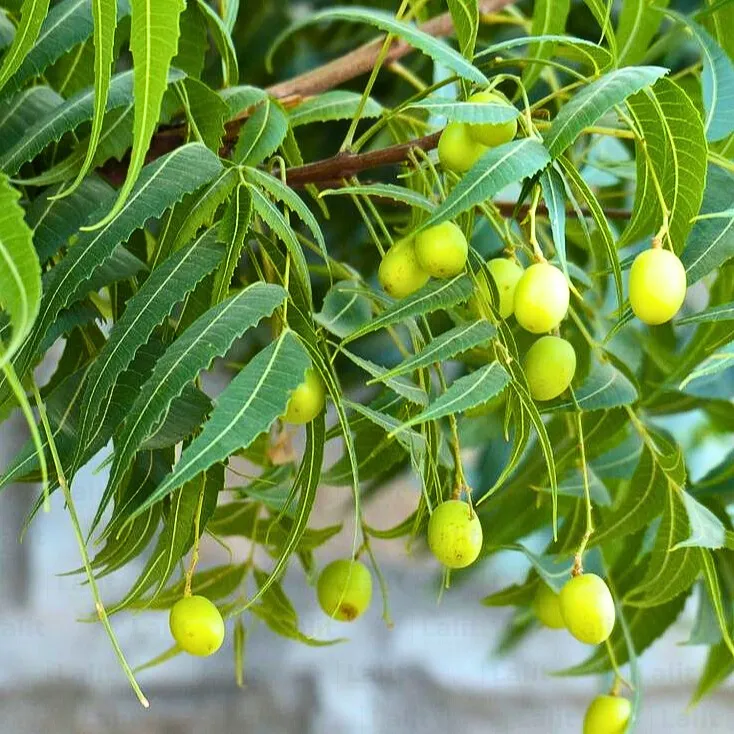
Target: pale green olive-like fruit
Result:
[588, 608]
[549, 365]
[657, 286]
[196, 625]
[442, 250]
[541, 298]
[547, 607]
[307, 400]
[506, 274]
[455, 534]
[489, 133]
[400, 274]
[344, 589]
[607, 715]
[457, 150]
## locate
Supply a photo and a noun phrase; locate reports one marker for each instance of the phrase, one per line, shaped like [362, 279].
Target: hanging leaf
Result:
[33, 13]
[334, 105]
[549, 18]
[638, 24]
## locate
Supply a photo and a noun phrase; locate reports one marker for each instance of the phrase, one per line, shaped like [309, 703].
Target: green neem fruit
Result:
[307, 400]
[588, 609]
[550, 365]
[506, 274]
[657, 286]
[455, 534]
[489, 133]
[196, 625]
[442, 250]
[400, 274]
[541, 298]
[457, 150]
[547, 607]
[607, 715]
[344, 589]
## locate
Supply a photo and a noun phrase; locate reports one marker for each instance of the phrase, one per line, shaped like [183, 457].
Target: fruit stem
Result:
[459, 478]
[71, 508]
[578, 561]
[384, 589]
[197, 538]
[533, 233]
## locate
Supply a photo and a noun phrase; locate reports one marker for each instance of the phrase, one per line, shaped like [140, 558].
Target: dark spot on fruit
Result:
[348, 611]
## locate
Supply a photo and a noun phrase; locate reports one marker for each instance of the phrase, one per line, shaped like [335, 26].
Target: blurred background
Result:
[435, 671]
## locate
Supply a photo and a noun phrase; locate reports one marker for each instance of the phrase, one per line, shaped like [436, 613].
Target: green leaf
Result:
[605, 387]
[444, 347]
[64, 118]
[711, 241]
[153, 43]
[162, 184]
[20, 272]
[33, 13]
[210, 336]
[474, 112]
[549, 18]
[223, 41]
[439, 51]
[638, 23]
[707, 531]
[386, 191]
[722, 312]
[207, 111]
[233, 229]
[249, 405]
[338, 104]
[554, 194]
[262, 134]
[594, 100]
[467, 392]
[18, 113]
[497, 168]
[402, 386]
[345, 309]
[676, 145]
[717, 81]
[193, 43]
[713, 588]
[435, 295]
[465, 16]
[719, 666]
[166, 286]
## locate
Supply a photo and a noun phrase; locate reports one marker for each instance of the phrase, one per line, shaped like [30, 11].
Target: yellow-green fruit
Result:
[307, 400]
[442, 250]
[607, 715]
[541, 298]
[344, 589]
[657, 286]
[455, 534]
[196, 625]
[550, 365]
[588, 608]
[457, 150]
[506, 274]
[547, 608]
[492, 134]
[400, 273]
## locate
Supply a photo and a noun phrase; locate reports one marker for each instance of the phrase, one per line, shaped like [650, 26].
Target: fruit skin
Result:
[400, 274]
[657, 286]
[344, 589]
[541, 298]
[607, 715]
[550, 365]
[196, 626]
[307, 400]
[547, 608]
[488, 133]
[442, 250]
[457, 151]
[506, 274]
[455, 534]
[588, 608]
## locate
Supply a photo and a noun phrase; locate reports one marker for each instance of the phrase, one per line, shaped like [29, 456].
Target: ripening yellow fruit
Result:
[588, 608]
[541, 298]
[442, 250]
[489, 133]
[344, 589]
[547, 607]
[196, 626]
[657, 286]
[400, 274]
[457, 151]
[607, 715]
[549, 365]
[455, 534]
[307, 400]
